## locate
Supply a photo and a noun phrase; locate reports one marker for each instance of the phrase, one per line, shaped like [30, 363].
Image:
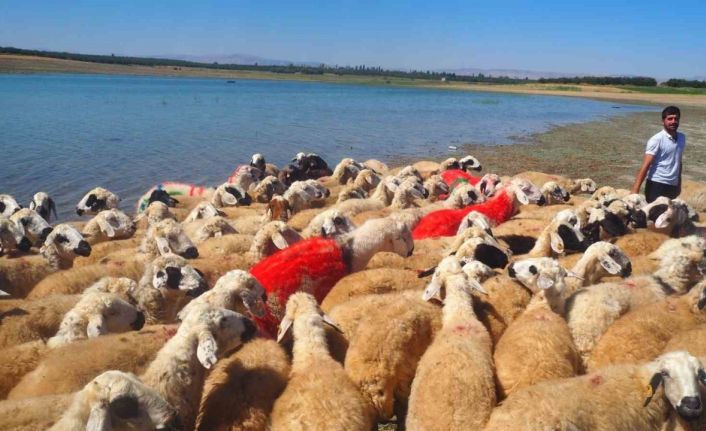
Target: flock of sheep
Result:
[305, 298]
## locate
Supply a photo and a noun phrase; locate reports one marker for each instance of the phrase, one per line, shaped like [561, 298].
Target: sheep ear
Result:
[96, 326]
[477, 286]
[544, 282]
[207, 349]
[99, 419]
[2, 293]
[106, 227]
[163, 245]
[663, 220]
[573, 275]
[284, 326]
[521, 196]
[433, 290]
[610, 265]
[329, 321]
[557, 243]
[369, 179]
[279, 241]
[651, 388]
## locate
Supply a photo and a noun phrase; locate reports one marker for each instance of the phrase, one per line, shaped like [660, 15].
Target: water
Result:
[65, 134]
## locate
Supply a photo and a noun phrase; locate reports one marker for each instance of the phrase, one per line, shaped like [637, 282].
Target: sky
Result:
[648, 38]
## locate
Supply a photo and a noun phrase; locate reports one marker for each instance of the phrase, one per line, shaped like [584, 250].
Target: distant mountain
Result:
[235, 59]
[511, 73]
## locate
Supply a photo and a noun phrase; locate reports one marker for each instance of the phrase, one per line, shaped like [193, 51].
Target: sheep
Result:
[554, 193]
[268, 188]
[271, 238]
[36, 228]
[376, 165]
[692, 340]
[291, 173]
[245, 177]
[24, 321]
[582, 185]
[435, 187]
[613, 398]
[346, 169]
[592, 310]
[489, 184]
[95, 314]
[117, 400]
[328, 401]
[351, 191]
[12, 237]
[8, 206]
[458, 393]
[16, 361]
[302, 194]
[37, 414]
[267, 169]
[69, 367]
[204, 210]
[44, 205]
[499, 209]
[154, 213]
[537, 346]
[228, 194]
[97, 200]
[600, 259]
[18, 276]
[315, 265]
[166, 237]
[178, 371]
[241, 389]
[367, 180]
[312, 165]
[108, 225]
[563, 233]
[236, 290]
[201, 230]
[477, 244]
[641, 335]
[387, 333]
[409, 171]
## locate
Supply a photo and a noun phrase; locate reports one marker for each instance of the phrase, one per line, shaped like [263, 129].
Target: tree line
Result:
[361, 70]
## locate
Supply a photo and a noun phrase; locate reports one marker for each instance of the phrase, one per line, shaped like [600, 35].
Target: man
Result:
[663, 159]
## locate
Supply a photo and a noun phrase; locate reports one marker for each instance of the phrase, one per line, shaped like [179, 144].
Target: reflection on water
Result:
[65, 134]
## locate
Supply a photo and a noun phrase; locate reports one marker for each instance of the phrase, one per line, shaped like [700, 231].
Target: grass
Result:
[665, 90]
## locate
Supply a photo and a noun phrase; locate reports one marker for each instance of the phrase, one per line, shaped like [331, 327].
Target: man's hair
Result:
[670, 110]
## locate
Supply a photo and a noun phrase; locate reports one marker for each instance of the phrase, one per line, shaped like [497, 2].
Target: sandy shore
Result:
[10, 63]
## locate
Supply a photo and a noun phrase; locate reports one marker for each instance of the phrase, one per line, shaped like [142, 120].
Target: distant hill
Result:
[235, 59]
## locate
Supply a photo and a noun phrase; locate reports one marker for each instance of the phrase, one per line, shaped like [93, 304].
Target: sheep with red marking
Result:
[329, 401]
[616, 398]
[454, 386]
[498, 209]
[537, 346]
[315, 265]
[97, 200]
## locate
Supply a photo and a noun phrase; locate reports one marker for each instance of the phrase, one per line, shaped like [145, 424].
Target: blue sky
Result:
[653, 38]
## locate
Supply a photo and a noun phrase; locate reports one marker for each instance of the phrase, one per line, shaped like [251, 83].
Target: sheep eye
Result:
[533, 269]
[160, 274]
[24, 221]
[664, 373]
[62, 239]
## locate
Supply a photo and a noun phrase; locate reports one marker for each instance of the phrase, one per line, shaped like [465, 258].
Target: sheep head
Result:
[35, 226]
[173, 273]
[8, 206]
[449, 267]
[44, 205]
[554, 193]
[526, 192]
[303, 307]
[12, 237]
[167, 237]
[63, 244]
[97, 200]
[230, 195]
[680, 374]
[470, 163]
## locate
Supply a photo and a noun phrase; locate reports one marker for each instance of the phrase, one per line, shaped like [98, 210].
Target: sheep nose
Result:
[191, 253]
[541, 201]
[627, 270]
[250, 330]
[511, 271]
[139, 321]
[79, 211]
[567, 197]
[24, 244]
[411, 250]
[45, 233]
[690, 408]
[83, 249]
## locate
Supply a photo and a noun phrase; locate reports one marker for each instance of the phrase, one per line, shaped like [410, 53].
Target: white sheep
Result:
[302, 194]
[97, 200]
[8, 206]
[435, 187]
[154, 213]
[272, 237]
[166, 237]
[116, 400]
[230, 195]
[367, 180]
[36, 228]
[44, 205]
[203, 210]
[179, 369]
[59, 250]
[108, 225]
[96, 314]
[12, 237]
[345, 170]
[563, 233]
[268, 188]
[554, 194]
[616, 398]
[201, 230]
[329, 400]
[454, 387]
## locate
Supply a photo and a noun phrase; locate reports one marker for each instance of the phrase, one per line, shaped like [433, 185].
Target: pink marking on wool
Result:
[596, 380]
[629, 284]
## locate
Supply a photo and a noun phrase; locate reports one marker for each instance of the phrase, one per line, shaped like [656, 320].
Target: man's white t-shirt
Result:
[667, 156]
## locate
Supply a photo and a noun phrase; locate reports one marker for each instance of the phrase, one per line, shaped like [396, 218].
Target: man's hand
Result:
[642, 173]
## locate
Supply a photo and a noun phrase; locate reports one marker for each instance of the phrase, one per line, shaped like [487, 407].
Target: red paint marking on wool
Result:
[445, 222]
[312, 265]
[453, 174]
[596, 380]
[629, 284]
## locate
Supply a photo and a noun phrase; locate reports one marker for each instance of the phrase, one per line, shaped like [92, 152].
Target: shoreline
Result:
[21, 64]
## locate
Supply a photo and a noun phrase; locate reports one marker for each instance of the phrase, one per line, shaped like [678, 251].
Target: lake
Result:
[65, 134]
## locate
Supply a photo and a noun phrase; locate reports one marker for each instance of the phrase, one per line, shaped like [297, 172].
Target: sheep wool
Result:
[445, 222]
[313, 265]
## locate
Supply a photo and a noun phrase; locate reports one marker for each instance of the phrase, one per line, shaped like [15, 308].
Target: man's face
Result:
[671, 123]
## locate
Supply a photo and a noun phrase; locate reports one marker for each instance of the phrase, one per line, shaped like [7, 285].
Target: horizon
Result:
[544, 37]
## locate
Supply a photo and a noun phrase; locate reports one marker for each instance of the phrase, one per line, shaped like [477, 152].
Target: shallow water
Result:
[65, 134]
